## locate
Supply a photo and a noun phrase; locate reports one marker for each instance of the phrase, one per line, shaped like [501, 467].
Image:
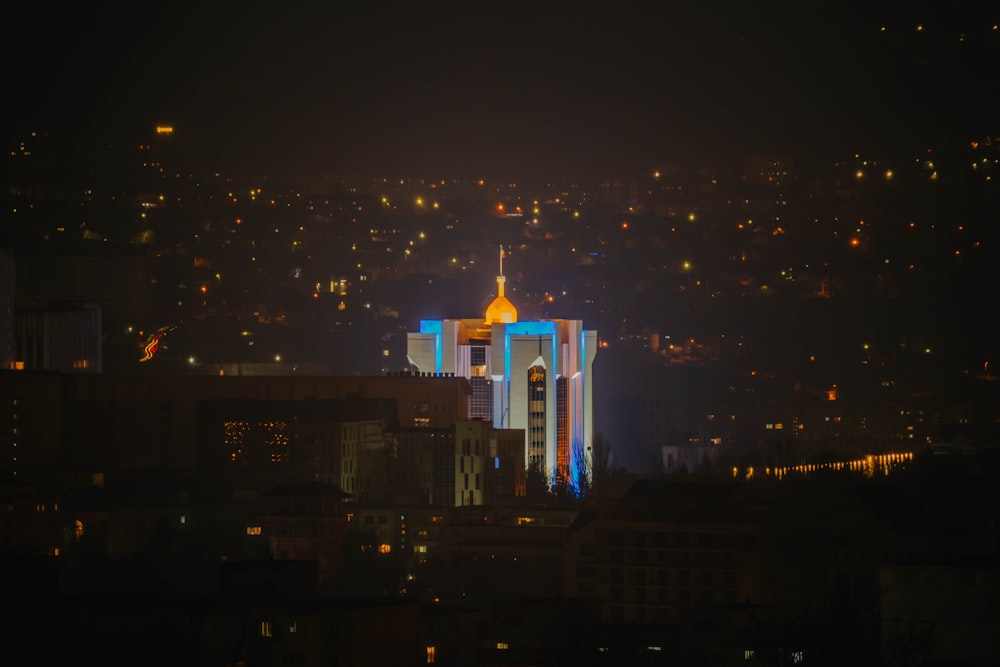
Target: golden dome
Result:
[501, 309]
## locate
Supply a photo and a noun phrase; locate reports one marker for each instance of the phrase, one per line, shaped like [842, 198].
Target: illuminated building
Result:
[530, 375]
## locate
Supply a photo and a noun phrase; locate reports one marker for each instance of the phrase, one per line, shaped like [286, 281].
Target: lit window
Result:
[265, 628]
[502, 646]
[430, 654]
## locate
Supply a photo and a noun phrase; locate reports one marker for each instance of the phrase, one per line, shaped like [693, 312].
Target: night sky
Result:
[500, 89]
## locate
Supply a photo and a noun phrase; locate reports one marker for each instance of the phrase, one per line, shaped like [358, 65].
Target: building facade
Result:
[94, 422]
[489, 464]
[65, 337]
[530, 375]
[7, 282]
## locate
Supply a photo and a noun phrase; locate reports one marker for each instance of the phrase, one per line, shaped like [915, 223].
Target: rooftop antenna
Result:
[500, 279]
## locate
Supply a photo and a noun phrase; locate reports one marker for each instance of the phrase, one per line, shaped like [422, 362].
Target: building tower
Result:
[7, 293]
[531, 375]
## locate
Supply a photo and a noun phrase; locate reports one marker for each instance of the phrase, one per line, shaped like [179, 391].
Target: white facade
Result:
[537, 375]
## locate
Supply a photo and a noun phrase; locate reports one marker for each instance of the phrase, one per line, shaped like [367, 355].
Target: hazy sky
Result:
[498, 88]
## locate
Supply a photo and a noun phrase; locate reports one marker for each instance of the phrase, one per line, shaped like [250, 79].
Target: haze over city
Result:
[511, 90]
